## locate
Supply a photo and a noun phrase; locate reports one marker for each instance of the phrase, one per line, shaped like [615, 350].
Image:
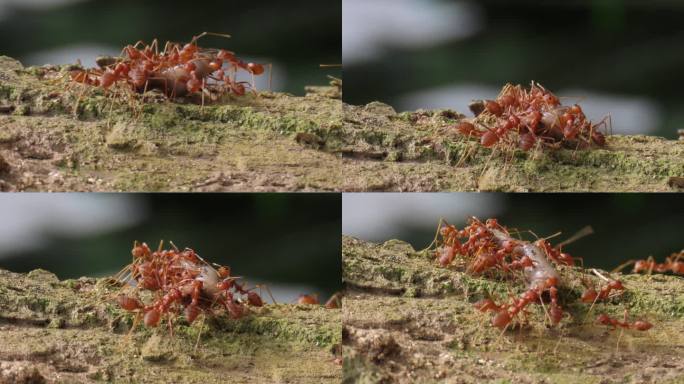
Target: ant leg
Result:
[201, 35]
[169, 324]
[439, 226]
[202, 106]
[199, 334]
[269, 292]
[623, 265]
[560, 338]
[651, 265]
[155, 45]
[552, 236]
[586, 231]
[590, 308]
[502, 333]
[78, 100]
[617, 346]
[548, 315]
[270, 76]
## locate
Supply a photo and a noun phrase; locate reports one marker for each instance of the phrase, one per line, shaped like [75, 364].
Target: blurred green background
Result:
[296, 36]
[626, 225]
[616, 57]
[289, 241]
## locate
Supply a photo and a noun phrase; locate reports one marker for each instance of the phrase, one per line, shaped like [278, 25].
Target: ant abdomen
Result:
[152, 317]
[128, 303]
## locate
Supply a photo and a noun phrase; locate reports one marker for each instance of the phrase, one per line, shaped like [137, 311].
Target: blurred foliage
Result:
[626, 225]
[298, 35]
[277, 237]
[614, 46]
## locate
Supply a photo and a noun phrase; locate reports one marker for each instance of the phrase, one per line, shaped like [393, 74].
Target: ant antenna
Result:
[586, 231]
[201, 35]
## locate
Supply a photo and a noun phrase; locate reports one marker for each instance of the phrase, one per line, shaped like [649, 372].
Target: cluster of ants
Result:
[488, 247]
[177, 70]
[182, 283]
[522, 118]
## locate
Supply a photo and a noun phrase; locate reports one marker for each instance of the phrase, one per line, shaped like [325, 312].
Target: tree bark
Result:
[73, 332]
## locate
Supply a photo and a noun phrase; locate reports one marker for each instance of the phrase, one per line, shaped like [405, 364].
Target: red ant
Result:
[591, 296]
[639, 325]
[672, 264]
[182, 283]
[176, 71]
[523, 118]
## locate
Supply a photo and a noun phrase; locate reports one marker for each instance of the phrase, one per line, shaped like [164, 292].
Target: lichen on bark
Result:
[406, 319]
[59, 135]
[422, 151]
[72, 331]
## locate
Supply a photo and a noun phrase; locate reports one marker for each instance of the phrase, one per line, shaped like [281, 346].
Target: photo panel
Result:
[107, 96]
[540, 96]
[169, 287]
[465, 287]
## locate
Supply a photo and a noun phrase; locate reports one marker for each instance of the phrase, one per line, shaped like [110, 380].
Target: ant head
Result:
[551, 282]
[224, 272]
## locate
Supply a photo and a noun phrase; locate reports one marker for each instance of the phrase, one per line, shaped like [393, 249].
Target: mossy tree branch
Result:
[72, 331]
[60, 135]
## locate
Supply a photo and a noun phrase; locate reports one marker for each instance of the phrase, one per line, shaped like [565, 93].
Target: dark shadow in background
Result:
[627, 226]
[299, 34]
[629, 48]
[280, 238]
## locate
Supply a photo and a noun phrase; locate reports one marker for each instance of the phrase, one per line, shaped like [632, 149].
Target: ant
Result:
[672, 264]
[639, 325]
[591, 296]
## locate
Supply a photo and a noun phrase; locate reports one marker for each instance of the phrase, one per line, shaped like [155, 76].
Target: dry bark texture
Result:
[421, 151]
[71, 331]
[405, 319]
[58, 135]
